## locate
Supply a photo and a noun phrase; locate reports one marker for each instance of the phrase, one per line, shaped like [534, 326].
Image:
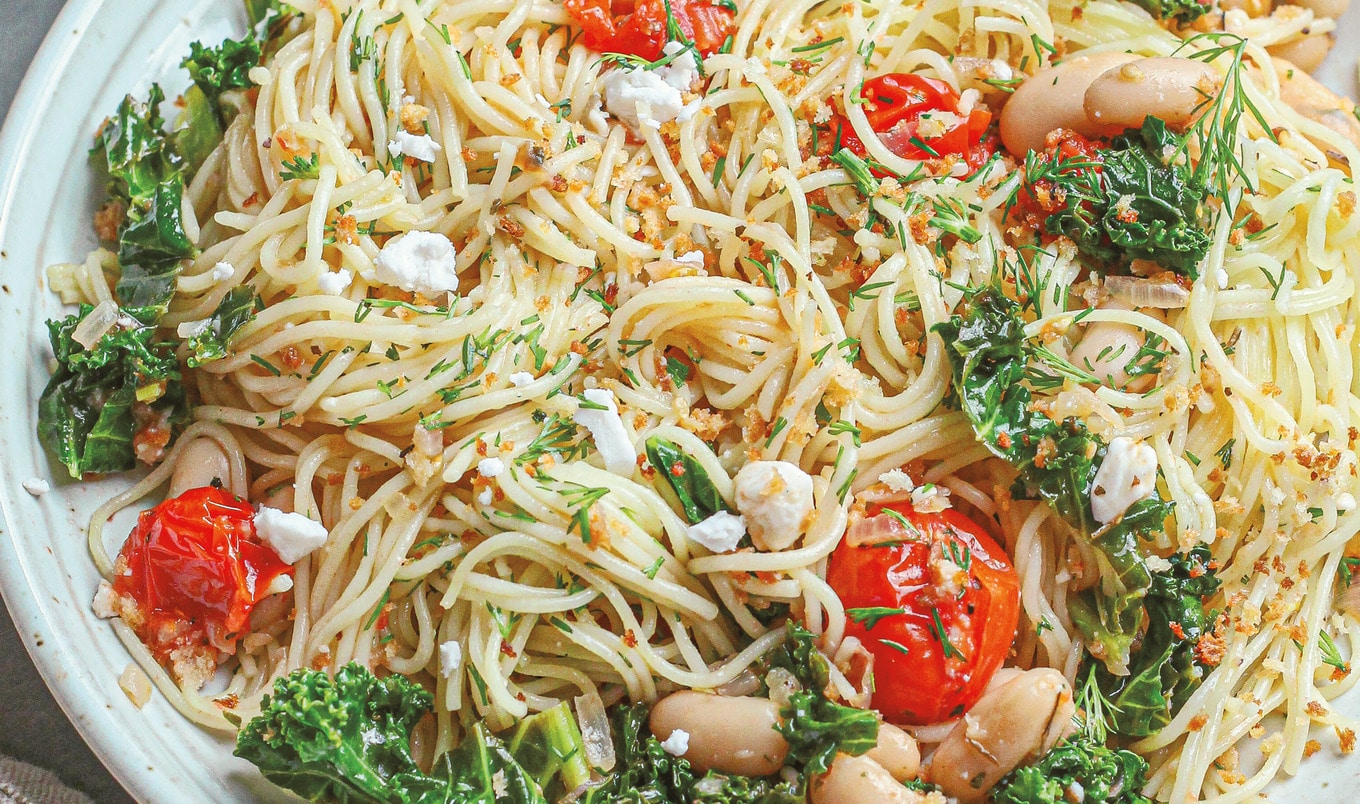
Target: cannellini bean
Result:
[732, 735]
[199, 463]
[897, 752]
[1052, 99]
[1311, 99]
[1106, 349]
[1307, 53]
[1012, 724]
[1169, 88]
[1325, 8]
[860, 780]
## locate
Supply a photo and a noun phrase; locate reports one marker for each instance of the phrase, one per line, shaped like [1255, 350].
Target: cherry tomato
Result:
[905, 111]
[639, 28]
[935, 600]
[195, 569]
[1036, 199]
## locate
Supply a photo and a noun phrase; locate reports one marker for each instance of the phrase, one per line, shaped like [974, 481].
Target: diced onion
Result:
[429, 443]
[747, 683]
[876, 530]
[95, 325]
[1164, 294]
[595, 732]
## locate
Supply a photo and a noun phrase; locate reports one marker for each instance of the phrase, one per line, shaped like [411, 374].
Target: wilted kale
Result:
[146, 174]
[1165, 668]
[1127, 203]
[699, 498]
[236, 309]
[347, 739]
[989, 354]
[1077, 771]
[85, 414]
[815, 727]
[224, 68]
[1183, 12]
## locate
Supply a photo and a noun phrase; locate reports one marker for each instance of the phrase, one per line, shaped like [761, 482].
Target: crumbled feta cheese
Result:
[490, 467]
[677, 743]
[720, 532]
[415, 146]
[486, 496]
[105, 603]
[521, 378]
[1345, 501]
[660, 89]
[419, 262]
[450, 656]
[291, 535]
[897, 480]
[775, 497]
[930, 498]
[223, 271]
[1127, 475]
[37, 486]
[333, 283]
[192, 329]
[606, 428]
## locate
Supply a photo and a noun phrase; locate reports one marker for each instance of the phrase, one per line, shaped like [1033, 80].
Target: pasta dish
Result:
[699, 400]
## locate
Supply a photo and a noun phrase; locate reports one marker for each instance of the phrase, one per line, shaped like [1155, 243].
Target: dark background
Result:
[32, 726]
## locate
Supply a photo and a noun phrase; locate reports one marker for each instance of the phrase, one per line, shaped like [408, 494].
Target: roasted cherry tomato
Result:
[935, 600]
[194, 569]
[918, 118]
[639, 28]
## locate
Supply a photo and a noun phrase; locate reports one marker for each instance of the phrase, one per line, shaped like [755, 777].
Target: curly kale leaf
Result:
[347, 739]
[715, 788]
[1077, 771]
[699, 498]
[815, 727]
[146, 174]
[236, 309]
[215, 70]
[85, 414]
[1132, 201]
[1165, 668]
[989, 354]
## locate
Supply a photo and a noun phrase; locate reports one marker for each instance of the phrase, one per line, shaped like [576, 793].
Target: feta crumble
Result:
[292, 535]
[450, 656]
[521, 378]
[607, 430]
[1126, 476]
[486, 496]
[223, 271]
[419, 262]
[661, 89]
[419, 147]
[720, 532]
[37, 486]
[490, 467]
[677, 744]
[333, 283]
[775, 497]
[896, 480]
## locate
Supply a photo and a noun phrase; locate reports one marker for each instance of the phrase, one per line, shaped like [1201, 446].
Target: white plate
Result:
[96, 52]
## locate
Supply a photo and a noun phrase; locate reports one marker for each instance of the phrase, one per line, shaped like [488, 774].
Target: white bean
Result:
[732, 735]
[198, 464]
[860, 780]
[1325, 8]
[1052, 99]
[1307, 53]
[897, 752]
[1012, 724]
[1169, 88]
[1313, 100]
[1105, 350]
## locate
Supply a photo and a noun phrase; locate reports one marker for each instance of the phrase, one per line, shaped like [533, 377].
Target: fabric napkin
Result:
[22, 783]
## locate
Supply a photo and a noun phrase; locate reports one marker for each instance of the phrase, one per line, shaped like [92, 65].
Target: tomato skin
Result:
[195, 569]
[641, 31]
[924, 685]
[894, 104]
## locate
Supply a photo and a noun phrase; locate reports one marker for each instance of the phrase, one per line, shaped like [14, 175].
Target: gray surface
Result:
[32, 726]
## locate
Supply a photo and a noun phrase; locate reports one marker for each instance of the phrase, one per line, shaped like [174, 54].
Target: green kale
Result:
[236, 309]
[347, 739]
[1182, 12]
[146, 174]
[1077, 771]
[1134, 200]
[222, 69]
[643, 772]
[1165, 668]
[815, 727]
[989, 355]
[715, 788]
[699, 498]
[85, 414]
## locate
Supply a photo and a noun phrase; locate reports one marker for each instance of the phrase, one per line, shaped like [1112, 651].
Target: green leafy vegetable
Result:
[347, 738]
[1134, 200]
[147, 174]
[815, 727]
[223, 68]
[1182, 12]
[699, 498]
[1077, 771]
[86, 413]
[1057, 462]
[236, 309]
